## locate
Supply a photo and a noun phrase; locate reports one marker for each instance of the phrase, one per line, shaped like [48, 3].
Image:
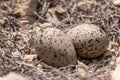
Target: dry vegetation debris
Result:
[17, 28]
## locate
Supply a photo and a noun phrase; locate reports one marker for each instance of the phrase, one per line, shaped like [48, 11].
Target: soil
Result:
[20, 19]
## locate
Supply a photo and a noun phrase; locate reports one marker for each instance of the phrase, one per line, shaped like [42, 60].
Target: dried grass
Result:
[15, 37]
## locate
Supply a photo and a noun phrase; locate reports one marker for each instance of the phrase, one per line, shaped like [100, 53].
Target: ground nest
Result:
[20, 19]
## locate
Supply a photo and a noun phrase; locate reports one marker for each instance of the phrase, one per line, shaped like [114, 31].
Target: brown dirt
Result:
[16, 29]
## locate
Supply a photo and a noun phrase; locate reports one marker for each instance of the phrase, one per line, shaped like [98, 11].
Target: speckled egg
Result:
[55, 48]
[89, 40]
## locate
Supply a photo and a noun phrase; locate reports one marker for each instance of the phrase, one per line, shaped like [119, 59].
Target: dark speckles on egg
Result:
[91, 41]
[98, 40]
[41, 35]
[91, 33]
[101, 35]
[55, 55]
[79, 40]
[61, 54]
[82, 45]
[65, 50]
[90, 49]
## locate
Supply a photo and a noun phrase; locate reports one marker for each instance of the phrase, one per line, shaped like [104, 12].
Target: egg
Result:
[90, 41]
[54, 47]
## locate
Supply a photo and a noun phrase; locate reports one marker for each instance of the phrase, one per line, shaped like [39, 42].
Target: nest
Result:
[17, 53]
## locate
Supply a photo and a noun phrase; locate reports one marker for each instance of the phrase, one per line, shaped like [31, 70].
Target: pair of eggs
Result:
[60, 49]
